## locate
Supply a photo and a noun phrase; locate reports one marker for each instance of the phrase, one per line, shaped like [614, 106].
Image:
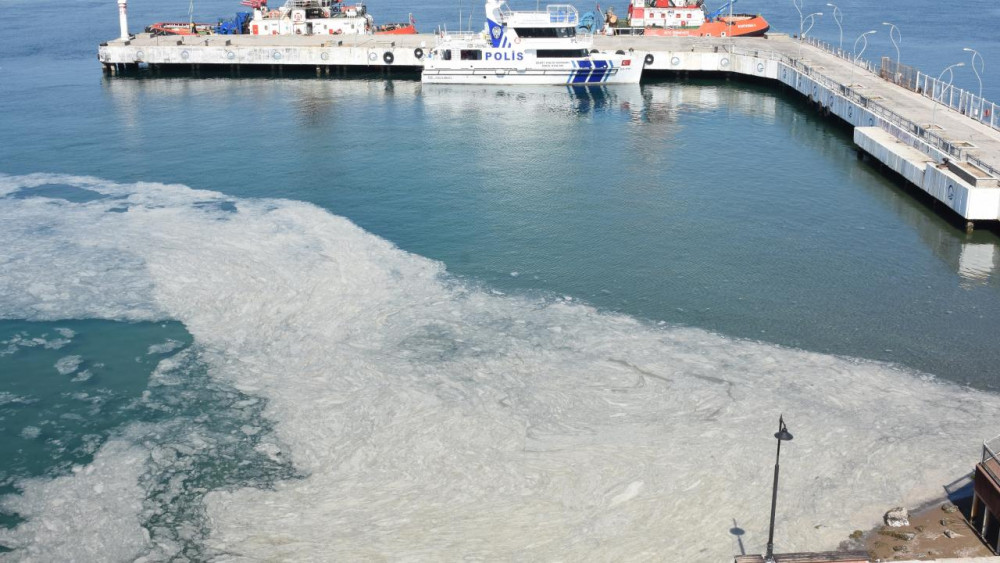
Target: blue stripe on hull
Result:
[584, 74]
[599, 73]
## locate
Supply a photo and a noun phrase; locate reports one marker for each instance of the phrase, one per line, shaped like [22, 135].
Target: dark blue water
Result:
[713, 205]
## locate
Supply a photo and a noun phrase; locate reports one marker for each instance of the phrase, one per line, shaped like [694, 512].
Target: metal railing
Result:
[989, 453]
[962, 101]
[905, 130]
[911, 78]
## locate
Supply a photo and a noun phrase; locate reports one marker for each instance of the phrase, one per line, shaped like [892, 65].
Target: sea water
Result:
[366, 319]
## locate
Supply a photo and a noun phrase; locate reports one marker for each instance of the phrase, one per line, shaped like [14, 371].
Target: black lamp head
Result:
[782, 434]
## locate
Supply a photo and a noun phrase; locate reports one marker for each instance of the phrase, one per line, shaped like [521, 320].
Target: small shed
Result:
[985, 514]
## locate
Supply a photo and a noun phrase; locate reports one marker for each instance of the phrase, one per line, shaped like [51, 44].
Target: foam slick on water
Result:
[433, 420]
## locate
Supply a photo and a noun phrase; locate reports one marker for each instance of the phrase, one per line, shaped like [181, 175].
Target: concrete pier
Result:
[950, 153]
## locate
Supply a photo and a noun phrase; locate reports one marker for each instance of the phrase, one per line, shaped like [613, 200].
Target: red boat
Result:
[687, 18]
[408, 28]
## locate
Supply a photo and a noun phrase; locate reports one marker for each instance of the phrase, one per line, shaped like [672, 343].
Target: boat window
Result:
[472, 55]
[544, 32]
[560, 53]
[446, 54]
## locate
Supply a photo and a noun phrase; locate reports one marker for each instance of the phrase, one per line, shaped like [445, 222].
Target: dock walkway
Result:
[952, 155]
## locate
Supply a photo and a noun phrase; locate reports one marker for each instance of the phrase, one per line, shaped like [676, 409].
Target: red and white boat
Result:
[687, 18]
[180, 28]
[320, 17]
[296, 17]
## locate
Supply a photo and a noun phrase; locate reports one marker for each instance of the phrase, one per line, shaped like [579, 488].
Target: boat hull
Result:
[741, 26]
[179, 28]
[573, 73]
[407, 29]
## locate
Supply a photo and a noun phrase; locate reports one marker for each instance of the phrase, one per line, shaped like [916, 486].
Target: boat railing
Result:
[562, 13]
[308, 4]
[553, 13]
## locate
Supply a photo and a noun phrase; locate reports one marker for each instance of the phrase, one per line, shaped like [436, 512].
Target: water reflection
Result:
[974, 257]
[978, 262]
[481, 121]
[312, 97]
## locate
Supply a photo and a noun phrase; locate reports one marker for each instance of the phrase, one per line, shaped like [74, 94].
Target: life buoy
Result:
[649, 58]
[372, 56]
[418, 52]
[388, 58]
[517, 40]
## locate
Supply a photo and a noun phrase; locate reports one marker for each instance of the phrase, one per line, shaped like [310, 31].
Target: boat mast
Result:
[729, 27]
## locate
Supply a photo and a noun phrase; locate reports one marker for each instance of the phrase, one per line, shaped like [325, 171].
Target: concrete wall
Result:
[899, 150]
[217, 53]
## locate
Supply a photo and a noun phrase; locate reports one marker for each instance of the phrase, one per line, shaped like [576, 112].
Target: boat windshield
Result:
[561, 53]
[545, 32]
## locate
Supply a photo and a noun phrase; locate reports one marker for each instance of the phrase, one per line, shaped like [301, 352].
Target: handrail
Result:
[966, 103]
[933, 141]
[991, 456]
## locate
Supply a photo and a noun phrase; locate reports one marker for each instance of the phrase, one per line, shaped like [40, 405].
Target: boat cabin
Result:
[311, 17]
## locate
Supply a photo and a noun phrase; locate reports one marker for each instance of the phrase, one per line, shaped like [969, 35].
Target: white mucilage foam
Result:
[92, 514]
[435, 421]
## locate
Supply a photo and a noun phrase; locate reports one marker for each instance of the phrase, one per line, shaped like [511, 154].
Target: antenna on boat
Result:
[191, 14]
[729, 29]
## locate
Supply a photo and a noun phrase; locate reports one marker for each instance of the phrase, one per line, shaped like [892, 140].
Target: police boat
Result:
[518, 47]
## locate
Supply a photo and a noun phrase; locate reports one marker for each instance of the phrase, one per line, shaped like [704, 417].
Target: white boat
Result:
[541, 47]
[318, 17]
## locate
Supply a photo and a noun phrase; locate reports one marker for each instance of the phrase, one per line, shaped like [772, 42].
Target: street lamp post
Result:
[856, 57]
[782, 435]
[812, 21]
[982, 68]
[895, 30]
[951, 78]
[798, 6]
[838, 17]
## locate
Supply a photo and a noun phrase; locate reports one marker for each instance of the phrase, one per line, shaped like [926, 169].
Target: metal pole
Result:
[975, 53]
[812, 21]
[798, 6]
[854, 61]
[782, 434]
[774, 505]
[729, 27]
[894, 29]
[838, 17]
[951, 75]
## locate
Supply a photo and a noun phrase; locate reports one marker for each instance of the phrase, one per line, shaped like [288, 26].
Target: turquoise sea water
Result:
[464, 322]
